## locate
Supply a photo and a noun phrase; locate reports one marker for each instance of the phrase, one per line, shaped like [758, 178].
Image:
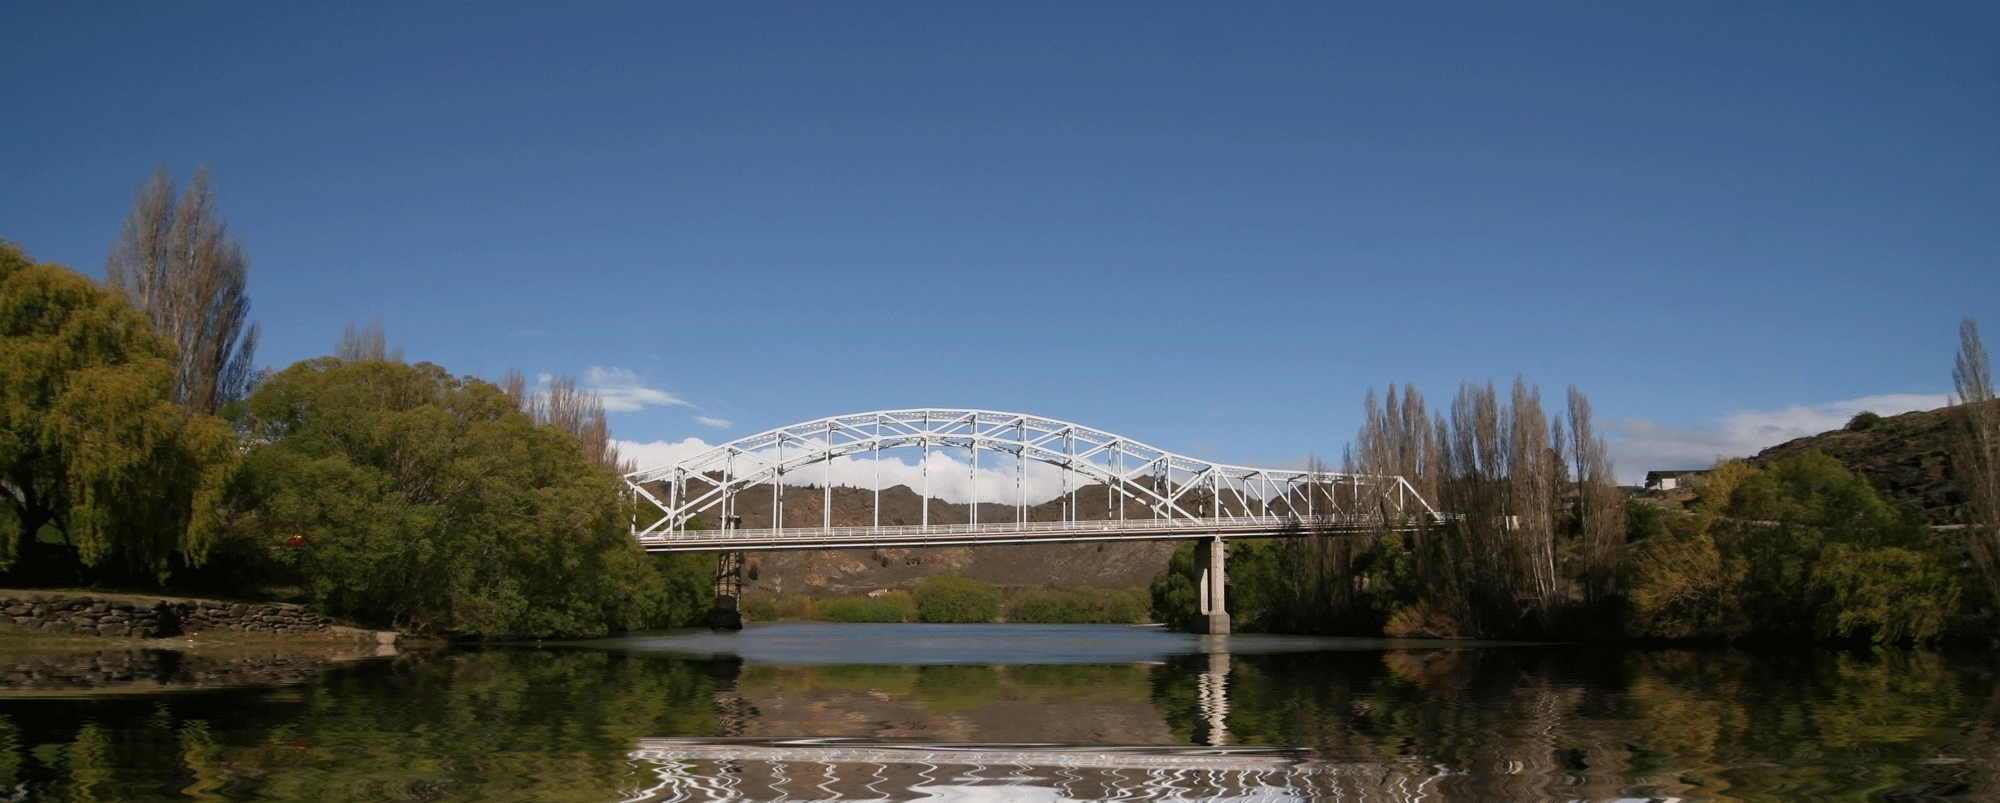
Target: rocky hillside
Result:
[856, 571]
[1907, 455]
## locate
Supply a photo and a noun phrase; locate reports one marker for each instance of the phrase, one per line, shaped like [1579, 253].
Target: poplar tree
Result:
[367, 343]
[1977, 455]
[1598, 508]
[570, 409]
[1537, 503]
[176, 263]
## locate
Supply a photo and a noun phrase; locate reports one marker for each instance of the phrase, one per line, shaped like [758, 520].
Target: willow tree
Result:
[94, 454]
[177, 264]
[431, 503]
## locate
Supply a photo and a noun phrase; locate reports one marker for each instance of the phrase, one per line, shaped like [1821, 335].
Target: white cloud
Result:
[1639, 445]
[949, 478]
[660, 453]
[712, 421]
[621, 391]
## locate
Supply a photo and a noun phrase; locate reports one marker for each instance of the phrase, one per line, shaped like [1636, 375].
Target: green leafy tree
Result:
[687, 589]
[1175, 599]
[944, 598]
[91, 443]
[431, 503]
[1800, 549]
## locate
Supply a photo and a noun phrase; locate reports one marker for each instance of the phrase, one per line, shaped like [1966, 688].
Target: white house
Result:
[1669, 480]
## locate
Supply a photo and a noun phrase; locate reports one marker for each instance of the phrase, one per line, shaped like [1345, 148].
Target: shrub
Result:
[1127, 606]
[1081, 605]
[760, 608]
[1055, 607]
[945, 598]
[1863, 421]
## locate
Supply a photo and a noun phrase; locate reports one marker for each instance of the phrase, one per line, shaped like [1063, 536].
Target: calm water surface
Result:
[823, 712]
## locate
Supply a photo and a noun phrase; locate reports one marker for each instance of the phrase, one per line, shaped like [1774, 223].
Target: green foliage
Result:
[1863, 421]
[1815, 490]
[1886, 595]
[1682, 587]
[546, 725]
[1175, 599]
[687, 590]
[90, 441]
[947, 688]
[430, 503]
[765, 607]
[1800, 549]
[1254, 586]
[1258, 587]
[1643, 521]
[1053, 607]
[895, 606]
[1080, 606]
[759, 608]
[944, 598]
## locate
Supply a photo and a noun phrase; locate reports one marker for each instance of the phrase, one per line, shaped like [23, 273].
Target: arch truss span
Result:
[1101, 482]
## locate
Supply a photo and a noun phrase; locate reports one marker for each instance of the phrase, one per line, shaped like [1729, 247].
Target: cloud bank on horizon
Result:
[946, 477]
[1637, 446]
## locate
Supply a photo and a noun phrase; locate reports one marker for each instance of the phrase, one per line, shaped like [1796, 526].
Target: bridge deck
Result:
[915, 535]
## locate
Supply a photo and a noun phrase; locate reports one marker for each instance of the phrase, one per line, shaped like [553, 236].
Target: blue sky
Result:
[1210, 227]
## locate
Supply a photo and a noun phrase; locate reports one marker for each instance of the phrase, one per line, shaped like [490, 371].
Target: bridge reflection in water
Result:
[734, 767]
[716, 769]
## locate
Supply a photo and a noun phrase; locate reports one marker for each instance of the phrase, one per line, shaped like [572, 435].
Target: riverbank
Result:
[71, 642]
[83, 620]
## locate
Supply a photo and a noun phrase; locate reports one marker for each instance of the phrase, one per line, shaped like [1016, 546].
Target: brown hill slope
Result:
[855, 571]
[1908, 456]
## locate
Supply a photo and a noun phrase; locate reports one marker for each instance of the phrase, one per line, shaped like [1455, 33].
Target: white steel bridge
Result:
[1106, 488]
[1135, 491]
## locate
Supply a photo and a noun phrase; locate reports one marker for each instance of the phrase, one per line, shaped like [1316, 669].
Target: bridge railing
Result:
[1018, 532]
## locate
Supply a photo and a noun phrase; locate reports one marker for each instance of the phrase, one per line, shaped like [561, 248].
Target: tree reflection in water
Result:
[1353, 724]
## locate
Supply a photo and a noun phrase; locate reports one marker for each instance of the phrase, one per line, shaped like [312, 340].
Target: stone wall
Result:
[152, 669]
[83, 615]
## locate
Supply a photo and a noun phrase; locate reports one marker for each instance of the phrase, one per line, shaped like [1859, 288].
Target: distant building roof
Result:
[1668, 480]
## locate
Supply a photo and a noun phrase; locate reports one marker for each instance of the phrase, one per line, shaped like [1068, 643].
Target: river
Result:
[853, 712]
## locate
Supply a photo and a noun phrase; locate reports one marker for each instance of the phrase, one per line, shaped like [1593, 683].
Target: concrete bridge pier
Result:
[728, 614]
[1210, 567]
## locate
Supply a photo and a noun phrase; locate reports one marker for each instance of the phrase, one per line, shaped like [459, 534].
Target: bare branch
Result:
[1976, 460]
[370, 343]
[177, 263]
